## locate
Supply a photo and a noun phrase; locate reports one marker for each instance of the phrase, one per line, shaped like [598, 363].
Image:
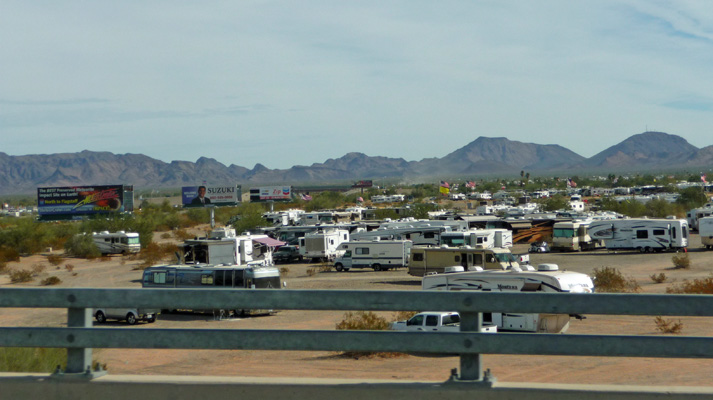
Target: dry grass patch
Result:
[55, 259]
[610, 280]
[365, 321]
[660, 278]
[696, 286]
[668, 325]
[681, 261]
[20, 276]
[50, 281]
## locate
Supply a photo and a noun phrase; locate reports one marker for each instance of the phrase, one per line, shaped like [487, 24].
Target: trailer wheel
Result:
[101, 318]
[339, 267]
[641, 249]
[377, 267]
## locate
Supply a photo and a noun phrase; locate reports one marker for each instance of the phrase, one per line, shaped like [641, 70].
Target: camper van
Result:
[381, 255]
[705, 230]
[322, 246]
[645, 235]
[478, 238]
[547, 278]
[426, 260]
[573, 236]
[117, 242]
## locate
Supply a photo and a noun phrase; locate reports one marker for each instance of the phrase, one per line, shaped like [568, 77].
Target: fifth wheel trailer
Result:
[643, 234]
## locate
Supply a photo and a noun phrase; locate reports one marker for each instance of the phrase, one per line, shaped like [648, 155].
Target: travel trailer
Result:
[546, 279]
[696, 214]
[425, 260]
[380, 255]
[420, 236]
[224, 247]
[573, 236]
[213, 277]
[323, 245]
[117, 242]
[705, 230]
[478, 238]
[645, 235]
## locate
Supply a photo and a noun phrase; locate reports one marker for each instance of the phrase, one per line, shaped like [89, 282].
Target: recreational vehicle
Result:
[705, 230]
[213, 277]
[117, 242]
[478, 238]
[322, 245]
[224, 247]
[696, 214]
[420, 236]
[573, 236]
[547, 278]
[425, 260]
[645, 235]
[380, 255]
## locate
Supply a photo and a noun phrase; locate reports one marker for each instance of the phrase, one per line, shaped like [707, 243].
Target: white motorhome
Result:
[573, 236]
[547, 278]
[478, 238]
[425, 260]
[226, 248]
[117, 242]
[705, 230]
[645, 235]
[323, 245]
[380, 255]
[696, 214]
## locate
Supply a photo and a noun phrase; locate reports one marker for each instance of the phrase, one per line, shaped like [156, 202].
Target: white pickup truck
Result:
[431, 321]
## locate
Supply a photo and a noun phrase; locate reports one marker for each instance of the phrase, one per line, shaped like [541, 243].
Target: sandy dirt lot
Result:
[120, 271]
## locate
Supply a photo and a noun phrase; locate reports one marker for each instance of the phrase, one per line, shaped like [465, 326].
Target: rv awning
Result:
[270, 242]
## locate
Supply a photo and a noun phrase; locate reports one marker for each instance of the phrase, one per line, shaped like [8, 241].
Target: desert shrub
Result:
[403, 315]
[3, 267]
[182, 234]
[660, 278]
[82, 246]
[668, 325]
[156, 253]
[284, 271]
[37, 269]
[31, 359]
[364, 321]
[55, 259]
[69, 267]
[311, 271]
[610, 280]
[681, 260]
[697, 286]
[49, 281]
[325, 267]
[166, 235]
[8, 254]
[20, 276]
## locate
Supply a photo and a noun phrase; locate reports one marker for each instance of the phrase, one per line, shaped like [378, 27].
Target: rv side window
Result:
[229, 278]
[418, 256]
[219, 281]
[661, 232]
[206, 279]
[431, 320]
[456, 259]
[673, 232]
[159, 277]
[429, 235]
[642, 234]
[684, 232]
[361, 250]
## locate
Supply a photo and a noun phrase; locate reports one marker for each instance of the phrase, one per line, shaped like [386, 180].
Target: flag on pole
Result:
[703, 178]
[306, 197]
[360, 199]
[444, 188]
[470, 185]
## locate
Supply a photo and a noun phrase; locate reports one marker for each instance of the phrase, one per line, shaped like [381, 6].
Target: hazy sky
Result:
[293, 83]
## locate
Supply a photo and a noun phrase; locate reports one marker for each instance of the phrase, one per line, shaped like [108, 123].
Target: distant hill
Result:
[483, 156]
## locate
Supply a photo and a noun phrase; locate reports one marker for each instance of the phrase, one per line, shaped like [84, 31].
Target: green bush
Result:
[681, 260]
[610, 280]
[20, 276]
[82, 246]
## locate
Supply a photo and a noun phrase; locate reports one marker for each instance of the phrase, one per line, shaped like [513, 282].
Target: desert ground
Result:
[122, 271]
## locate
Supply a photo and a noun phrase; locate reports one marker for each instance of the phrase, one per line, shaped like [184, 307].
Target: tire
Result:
[131, 319]
[377, 267]
[641, 249]
[152, 319]
[339, 267]
[100, 317]
[648, 250]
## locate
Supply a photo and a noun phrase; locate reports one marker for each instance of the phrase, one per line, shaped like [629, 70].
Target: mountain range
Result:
[482, 157]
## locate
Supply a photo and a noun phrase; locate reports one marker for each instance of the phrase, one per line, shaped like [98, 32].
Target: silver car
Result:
[130, 315]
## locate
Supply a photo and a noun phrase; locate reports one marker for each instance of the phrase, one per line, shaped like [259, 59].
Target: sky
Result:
[286, 83]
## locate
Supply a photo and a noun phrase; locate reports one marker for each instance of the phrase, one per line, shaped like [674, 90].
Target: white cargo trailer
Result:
[478, 238]
[705, 230]
[322, 246]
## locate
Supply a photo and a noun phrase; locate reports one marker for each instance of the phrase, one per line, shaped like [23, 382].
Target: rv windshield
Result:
[563, 232]
[133, 240]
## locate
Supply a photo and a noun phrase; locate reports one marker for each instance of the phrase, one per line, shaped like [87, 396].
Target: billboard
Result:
[76, 201]
[200, 196]
[271, 193]
[363, 184]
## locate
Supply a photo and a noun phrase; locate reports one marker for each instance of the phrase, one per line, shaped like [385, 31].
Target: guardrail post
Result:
[471, 367]
[79, 360]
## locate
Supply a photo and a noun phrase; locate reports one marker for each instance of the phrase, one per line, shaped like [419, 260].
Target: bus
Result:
[206, 276]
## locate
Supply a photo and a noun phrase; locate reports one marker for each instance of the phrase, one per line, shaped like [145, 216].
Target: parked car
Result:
[539, 247]
[287, 254]
[130, 315]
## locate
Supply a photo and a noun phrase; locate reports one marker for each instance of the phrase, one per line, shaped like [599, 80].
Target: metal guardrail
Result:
[79, 337]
